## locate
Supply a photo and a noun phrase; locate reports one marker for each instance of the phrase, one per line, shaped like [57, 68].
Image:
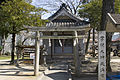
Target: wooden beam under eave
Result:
[61, 37]
[52, 29]
[56, 29]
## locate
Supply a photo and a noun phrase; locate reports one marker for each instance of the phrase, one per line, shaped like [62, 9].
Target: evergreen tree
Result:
[14, 15]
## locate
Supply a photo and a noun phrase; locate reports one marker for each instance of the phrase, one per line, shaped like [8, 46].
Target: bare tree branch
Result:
[53, 5]
[69, 7]
[73, 7]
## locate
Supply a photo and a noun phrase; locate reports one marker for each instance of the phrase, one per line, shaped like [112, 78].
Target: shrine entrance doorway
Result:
[63, 46]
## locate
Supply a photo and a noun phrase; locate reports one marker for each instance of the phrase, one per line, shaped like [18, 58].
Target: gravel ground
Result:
[25, 72]
[13, 72]
[89, 69]
[57, 72]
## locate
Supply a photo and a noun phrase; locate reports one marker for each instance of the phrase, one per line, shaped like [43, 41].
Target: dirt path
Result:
[57, 71]
[25, 72]
[13, 72]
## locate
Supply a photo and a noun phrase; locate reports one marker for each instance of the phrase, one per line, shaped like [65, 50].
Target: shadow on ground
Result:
[85, 76]
[6, 69]
[58, 76]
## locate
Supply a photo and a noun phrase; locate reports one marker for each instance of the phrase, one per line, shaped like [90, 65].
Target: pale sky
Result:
[38, 3]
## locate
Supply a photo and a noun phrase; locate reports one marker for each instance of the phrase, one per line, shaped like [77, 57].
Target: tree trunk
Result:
[13, 48]
[108, 7]
[93, 43]
[108, 49]
[93, 36]
[3, 44]
[88, 39]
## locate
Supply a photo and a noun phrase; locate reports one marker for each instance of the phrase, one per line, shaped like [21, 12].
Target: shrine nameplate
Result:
[102, 55]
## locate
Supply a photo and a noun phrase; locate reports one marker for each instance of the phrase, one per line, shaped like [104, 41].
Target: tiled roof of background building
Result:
[116, 17]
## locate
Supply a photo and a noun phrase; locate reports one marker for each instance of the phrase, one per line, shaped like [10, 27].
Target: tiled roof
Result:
[64, 8]
[115, 18]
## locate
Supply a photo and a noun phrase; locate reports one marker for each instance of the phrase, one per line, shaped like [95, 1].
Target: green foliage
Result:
[1, 48]
[117, 6]
[14, 14]
[93, 11]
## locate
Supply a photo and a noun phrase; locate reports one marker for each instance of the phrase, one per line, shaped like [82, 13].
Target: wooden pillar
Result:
[81, 49]
[51, 48]
[77, 61]
[63, 45]
[102, 55]
[37, 51]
